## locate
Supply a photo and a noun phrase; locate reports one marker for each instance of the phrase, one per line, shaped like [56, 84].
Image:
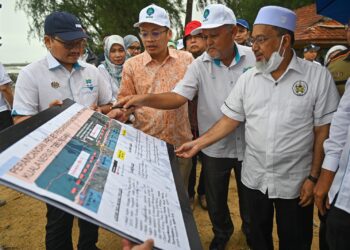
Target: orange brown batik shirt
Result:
[142, 75]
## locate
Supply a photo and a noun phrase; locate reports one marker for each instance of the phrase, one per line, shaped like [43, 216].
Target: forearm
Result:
[7, 92]
[20, 118]
[321, 134]
[220, 130]
[168, 100]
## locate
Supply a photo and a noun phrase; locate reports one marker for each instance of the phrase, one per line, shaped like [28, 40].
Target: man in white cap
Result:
[212, 76]
[157, 70]
[287, 105]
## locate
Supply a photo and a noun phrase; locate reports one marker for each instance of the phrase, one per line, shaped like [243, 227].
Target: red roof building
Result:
[316, 29]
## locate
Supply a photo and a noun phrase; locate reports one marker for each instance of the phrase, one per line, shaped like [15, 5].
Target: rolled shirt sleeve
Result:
[188, 86]
[233, 105]
[327, 100]
[26, 98]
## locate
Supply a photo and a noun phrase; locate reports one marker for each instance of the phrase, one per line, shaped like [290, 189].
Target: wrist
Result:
[312, 179]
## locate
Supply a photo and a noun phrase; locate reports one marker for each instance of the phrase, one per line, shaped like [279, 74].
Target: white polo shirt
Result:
[279, 120]
[4, 79]
[213, 81]
[107, 78]
[41, 82]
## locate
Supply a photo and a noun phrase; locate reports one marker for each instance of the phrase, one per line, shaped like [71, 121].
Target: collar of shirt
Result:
[53, 63]
[147, 58]
[293, 65]
[238, 55]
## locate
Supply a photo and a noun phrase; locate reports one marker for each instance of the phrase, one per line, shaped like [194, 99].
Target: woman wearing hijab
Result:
[112, 67]
[132, 45]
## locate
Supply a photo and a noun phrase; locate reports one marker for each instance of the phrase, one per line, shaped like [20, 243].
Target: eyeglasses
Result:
[259, 40]
[134, 48]
[71, 45]
[154, 34]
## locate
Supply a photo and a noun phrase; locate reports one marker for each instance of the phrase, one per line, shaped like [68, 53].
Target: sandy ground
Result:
[23, 224]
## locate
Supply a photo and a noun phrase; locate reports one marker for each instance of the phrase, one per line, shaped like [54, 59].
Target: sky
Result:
[16, 48]
[14, 27]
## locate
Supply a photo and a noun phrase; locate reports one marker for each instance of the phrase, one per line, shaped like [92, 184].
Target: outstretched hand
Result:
[131, 101]
[187, 150]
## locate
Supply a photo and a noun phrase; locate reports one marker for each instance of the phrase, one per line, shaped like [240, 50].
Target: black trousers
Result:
[294, 223]
[338, 229]
[59, 231]
[217, 172]
[192, 179]
[5, 119]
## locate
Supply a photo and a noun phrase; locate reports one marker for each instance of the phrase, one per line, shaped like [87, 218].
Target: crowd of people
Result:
[235, 97]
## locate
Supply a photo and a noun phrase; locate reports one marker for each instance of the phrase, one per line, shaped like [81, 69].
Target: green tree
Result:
[99, 17]
[248, 9]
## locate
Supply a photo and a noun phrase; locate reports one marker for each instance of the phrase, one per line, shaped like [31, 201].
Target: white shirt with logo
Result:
[41, 82]
[213, 81]
[280, 117]
[4, 79]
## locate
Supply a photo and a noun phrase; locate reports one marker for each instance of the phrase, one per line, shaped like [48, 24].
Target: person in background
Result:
[310, 53]
[180, 44]
[171, 45]
[196, 45]
[339, 66]
[46, 83]
[332, 52]
[132, 46]
[287, 105]
[6, 101]
[112, 67]
[243, 33]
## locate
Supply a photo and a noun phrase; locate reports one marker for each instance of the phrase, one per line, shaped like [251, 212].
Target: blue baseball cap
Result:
[64, 25]
[243, 23]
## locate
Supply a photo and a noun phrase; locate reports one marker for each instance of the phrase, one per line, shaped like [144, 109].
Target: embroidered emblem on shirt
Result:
[89, 84]
[300, 88]
[55, 85]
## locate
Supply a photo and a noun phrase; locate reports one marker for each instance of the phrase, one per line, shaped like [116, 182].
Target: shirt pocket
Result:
[88, 96]
[299, 111]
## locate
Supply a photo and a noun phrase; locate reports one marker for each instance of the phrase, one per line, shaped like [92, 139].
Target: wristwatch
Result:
[313, 179]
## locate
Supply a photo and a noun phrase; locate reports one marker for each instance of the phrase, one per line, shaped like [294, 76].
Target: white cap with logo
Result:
[153, 14]
[215, 15]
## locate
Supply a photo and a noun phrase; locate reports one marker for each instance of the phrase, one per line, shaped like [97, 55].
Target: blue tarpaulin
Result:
[338, 10]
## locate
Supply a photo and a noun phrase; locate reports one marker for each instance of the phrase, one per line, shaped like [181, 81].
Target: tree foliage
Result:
[99, 17]
[248, 9]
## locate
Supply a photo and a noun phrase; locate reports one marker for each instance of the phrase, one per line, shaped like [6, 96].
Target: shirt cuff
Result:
[231, 113]
[330, 163]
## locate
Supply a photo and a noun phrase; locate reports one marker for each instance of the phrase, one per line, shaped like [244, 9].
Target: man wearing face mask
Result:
[287, 105]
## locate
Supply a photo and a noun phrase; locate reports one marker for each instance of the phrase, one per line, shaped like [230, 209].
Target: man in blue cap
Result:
[46, 83]
[243, 33]
[310, 53]
[287, 105]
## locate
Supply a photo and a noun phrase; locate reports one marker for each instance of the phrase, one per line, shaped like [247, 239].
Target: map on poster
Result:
[104, 169]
